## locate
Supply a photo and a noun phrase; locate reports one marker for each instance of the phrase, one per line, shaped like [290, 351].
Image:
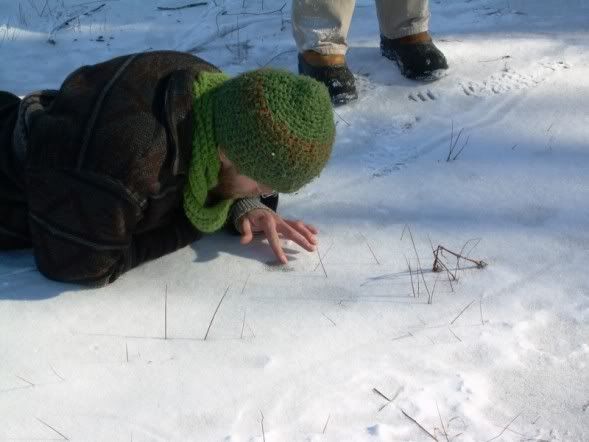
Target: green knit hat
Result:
[275, 126]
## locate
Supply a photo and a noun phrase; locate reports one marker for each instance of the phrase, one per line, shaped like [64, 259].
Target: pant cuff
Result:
[331, 49]
[405, 32]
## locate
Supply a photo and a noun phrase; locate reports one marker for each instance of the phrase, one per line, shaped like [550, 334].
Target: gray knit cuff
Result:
[243, 206]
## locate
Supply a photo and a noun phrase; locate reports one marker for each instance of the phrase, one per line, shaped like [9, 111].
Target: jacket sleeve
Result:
[159, 242]
[85, 233]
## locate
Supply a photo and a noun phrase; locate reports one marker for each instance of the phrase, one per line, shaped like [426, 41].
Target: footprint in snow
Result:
[510, 80]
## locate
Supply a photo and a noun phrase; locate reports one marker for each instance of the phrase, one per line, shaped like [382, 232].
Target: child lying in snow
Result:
[135, 157]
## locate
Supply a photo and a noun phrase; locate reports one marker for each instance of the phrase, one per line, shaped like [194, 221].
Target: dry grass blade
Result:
[411, 276]
[419, 425]
[177, 8]
[461, 312]
[326, 422]
[166, 313]
[452, 153]
[381, 395]
[281, 9]
[67, 22]
[53, 429]
[505, 428]
[419, 267]
[215, 313]
[476, 242]
[262, 425]
[392, 399]
[24, 380]
[442, 423]
[276, 56]
[321, 262]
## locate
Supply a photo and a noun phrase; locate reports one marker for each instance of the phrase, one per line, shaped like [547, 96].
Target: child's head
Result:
[275, 127]
[262, 131]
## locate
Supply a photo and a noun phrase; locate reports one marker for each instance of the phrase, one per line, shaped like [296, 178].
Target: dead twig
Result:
[448, 272]
[438, 262]
[177, 8]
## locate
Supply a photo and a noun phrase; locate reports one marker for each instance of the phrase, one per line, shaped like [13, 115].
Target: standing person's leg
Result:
[404, 38]
[320, 29]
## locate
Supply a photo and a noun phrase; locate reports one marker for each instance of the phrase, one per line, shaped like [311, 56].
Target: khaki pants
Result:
[322, 25]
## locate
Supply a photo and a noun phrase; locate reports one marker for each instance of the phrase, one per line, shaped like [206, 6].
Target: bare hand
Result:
[275, 227]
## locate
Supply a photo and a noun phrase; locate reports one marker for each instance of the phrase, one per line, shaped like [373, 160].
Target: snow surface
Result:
[298, 353]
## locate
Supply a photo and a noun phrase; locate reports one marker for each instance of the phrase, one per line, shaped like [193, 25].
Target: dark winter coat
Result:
[98, 187]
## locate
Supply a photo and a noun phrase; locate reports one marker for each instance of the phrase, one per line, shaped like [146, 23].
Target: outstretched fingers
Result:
[301, 236]
[269, 227]
[307, 230]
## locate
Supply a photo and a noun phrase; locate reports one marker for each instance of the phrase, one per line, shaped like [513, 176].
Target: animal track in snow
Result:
[510, 80]
[422, 96]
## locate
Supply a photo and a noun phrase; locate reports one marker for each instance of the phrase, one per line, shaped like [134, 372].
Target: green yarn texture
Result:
[275, 126]
[203, 173]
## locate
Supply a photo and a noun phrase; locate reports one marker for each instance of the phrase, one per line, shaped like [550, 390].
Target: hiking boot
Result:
[333, 72]
[416, 55]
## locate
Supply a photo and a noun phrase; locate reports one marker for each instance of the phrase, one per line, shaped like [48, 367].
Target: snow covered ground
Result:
[346, 344]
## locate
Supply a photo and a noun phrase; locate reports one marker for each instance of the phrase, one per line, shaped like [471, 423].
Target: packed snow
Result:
[360, 341]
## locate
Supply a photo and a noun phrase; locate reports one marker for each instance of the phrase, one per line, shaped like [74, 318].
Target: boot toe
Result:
[417, 61]
[338, 79]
